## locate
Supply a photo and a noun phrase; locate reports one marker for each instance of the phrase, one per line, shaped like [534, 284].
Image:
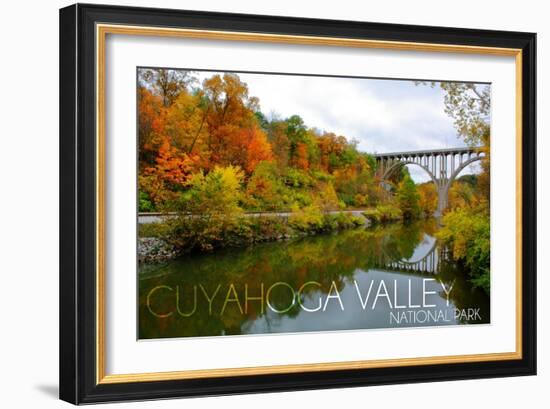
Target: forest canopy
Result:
[189, 128]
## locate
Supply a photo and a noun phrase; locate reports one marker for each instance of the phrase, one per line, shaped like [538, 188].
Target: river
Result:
[380, 277]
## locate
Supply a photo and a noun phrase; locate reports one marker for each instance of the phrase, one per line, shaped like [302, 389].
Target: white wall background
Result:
[29, 202]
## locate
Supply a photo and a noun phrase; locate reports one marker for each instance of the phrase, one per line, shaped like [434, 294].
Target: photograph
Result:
[282, 203]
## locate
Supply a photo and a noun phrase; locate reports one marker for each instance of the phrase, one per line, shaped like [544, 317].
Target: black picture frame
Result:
[78, 308]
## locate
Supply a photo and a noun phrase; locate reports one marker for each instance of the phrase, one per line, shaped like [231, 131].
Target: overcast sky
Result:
[382, 115]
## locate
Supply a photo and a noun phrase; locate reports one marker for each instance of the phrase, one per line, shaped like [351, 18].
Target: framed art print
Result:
[258, 203]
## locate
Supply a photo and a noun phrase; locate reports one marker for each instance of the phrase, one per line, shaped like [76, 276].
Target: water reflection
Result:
[392, 276]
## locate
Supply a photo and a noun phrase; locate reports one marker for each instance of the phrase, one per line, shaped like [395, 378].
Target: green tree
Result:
[467, 231]
[408, 198]
[265, 190]
[217, 192]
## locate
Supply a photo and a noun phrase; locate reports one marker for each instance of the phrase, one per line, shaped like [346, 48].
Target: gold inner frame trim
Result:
[101, 32]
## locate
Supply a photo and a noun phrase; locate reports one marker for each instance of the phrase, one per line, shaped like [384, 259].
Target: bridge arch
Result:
[397, 165]
[464, 166]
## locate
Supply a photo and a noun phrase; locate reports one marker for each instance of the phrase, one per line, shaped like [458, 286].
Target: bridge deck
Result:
[465, 149]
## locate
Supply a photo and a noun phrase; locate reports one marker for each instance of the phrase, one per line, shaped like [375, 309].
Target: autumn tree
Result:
[428, 198]
[280, 143]
[469, 105]
[461, 195]
[151, 115]
[265, 189]
[184, 123]
[300, 142]
[234, 134]
[170, 173]
[166, 83]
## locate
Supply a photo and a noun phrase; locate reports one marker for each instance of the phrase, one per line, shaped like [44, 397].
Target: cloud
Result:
[383, 115]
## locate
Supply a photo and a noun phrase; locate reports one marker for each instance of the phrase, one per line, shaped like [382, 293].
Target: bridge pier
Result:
[442, 199]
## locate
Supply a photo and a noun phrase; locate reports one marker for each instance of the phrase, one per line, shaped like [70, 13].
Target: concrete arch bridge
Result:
[442, 165]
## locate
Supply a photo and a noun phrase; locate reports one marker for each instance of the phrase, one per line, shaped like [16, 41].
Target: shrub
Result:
[208, 232]
[188, 232]
[312, 220]
[298, 178]
[145, 203]
[342, 221]
[467, 232]
[158, 230]
[383, 214]
[267, 228]
[322, 176]
[307, 219]
[356, 221]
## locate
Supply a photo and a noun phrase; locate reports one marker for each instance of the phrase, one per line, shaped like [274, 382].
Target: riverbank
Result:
[176, 236]
[158, 217]
[154, 250]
